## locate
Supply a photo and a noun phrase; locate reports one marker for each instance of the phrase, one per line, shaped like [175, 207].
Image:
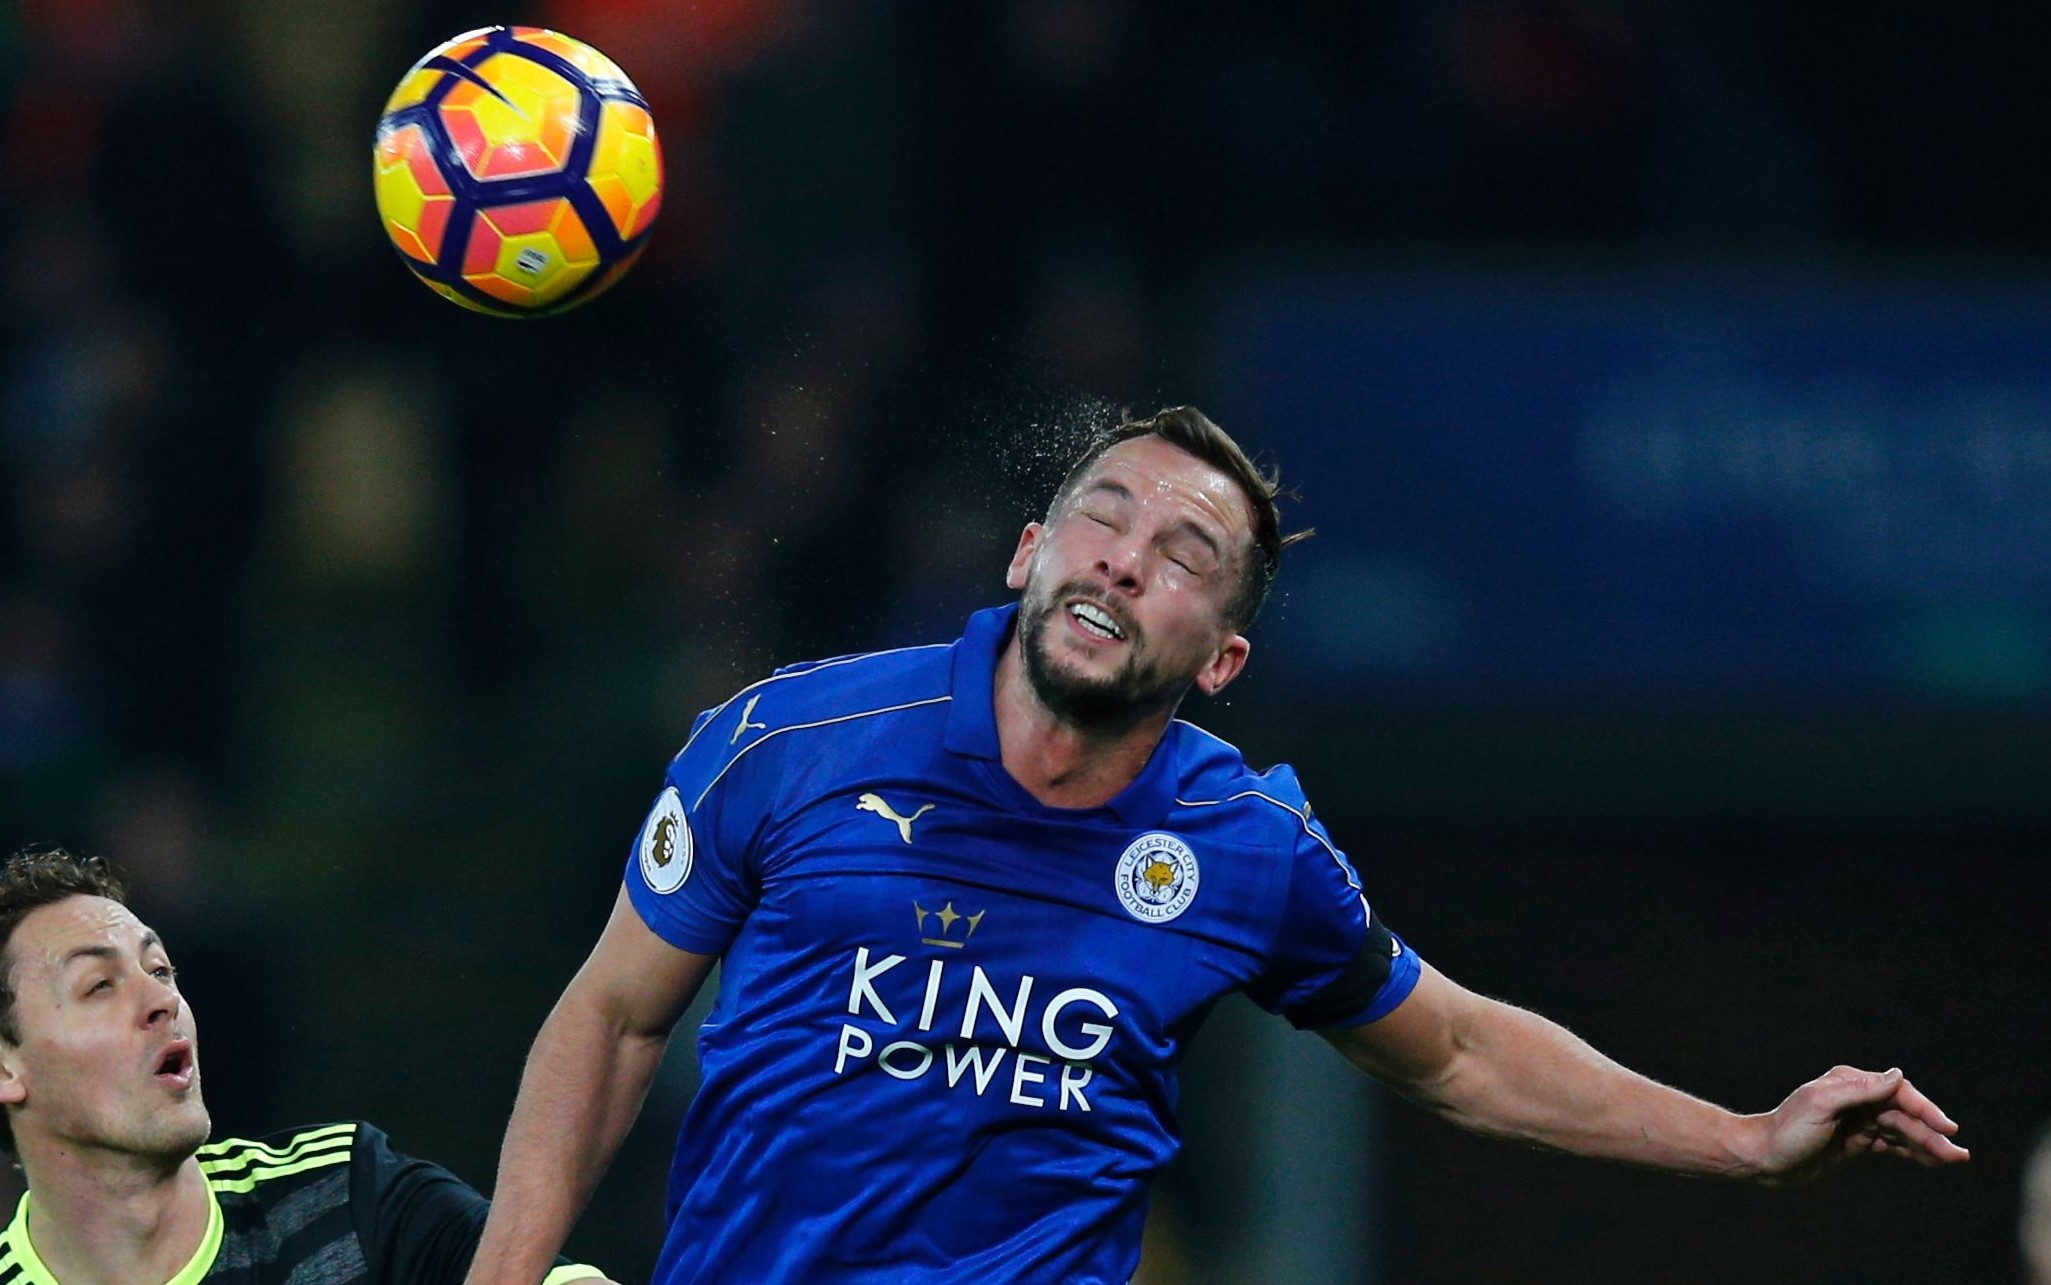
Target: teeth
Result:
[1097, 619]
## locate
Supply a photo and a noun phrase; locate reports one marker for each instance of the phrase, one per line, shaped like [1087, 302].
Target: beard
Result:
[167, 1134]
[171, 1137]
[1117, 700]
[151, 1135]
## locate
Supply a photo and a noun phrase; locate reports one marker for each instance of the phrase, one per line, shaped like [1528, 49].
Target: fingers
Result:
[1881, 1113]
[1892, 1132]
[1900, 1151]
[1909, 1098]
[1903, 1151]
[1900, 1130]
[1844, 1087]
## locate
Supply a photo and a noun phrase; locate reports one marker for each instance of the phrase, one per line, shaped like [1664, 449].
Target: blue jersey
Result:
[949, 1016]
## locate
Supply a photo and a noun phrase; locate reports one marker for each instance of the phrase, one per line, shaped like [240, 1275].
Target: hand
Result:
[1847, 1112]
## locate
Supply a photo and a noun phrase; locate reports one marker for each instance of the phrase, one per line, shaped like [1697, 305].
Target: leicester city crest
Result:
[666, 844]
[1156, 877]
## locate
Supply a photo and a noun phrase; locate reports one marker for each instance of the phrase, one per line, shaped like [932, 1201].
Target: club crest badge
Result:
[666, 844]
[1156, 878]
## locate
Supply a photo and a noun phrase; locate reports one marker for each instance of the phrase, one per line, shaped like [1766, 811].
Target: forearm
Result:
[1517, 1075]
[584, 1084]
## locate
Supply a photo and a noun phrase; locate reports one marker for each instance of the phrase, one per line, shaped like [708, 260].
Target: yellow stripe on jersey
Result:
[215, 1150]
[230, 1153]
[264, 1173]
[238, 1166]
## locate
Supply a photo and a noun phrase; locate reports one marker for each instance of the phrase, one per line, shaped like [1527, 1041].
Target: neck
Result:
[100, 1219]
[1059, 763]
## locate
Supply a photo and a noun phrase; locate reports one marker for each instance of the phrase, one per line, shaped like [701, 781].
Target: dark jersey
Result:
[329, 1205]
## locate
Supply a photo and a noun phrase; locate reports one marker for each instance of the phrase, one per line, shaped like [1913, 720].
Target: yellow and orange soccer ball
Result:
[517, 171]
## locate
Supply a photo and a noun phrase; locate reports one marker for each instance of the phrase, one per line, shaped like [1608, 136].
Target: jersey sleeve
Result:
[418, 1223]
[692, 873]
[1333, 961]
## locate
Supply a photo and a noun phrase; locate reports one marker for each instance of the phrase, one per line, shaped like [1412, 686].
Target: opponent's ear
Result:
[1225, 666]
[13, 1089]
[1022, 559]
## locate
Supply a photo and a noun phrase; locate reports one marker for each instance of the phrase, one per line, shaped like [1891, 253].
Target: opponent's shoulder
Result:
[1216, 787]
[289, 1158]
[820, 693]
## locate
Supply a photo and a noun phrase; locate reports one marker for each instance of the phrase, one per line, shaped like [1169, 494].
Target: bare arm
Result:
[1502, 1071]
[586, 1077]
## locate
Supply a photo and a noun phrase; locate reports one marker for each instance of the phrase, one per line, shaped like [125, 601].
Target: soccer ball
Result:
[517, 171]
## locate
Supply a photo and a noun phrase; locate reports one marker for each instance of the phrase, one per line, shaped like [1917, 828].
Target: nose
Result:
[163, 1002]
[1123, 564]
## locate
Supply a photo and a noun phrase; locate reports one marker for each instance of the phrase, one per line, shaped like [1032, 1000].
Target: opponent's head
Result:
[97, 1049]
[1157, 552]
[2035, 1225]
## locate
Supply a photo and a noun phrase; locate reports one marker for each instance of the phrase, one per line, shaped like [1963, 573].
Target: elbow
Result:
[1456, 1085]
[593, 1010]
[1445, 1092]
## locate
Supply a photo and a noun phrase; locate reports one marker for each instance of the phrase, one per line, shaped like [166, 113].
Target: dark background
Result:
[1668, 383]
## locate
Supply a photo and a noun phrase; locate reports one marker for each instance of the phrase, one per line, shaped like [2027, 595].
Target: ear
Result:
[1022, 560]
[1224, 666]
[13, 1089]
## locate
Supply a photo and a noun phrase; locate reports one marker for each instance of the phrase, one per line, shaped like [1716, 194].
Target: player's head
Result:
[2035, 1225]
[1191, 431]
[1167, 528]
[98, 1053]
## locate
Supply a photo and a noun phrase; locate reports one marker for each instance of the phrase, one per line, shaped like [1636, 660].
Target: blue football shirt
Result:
[949, 1016]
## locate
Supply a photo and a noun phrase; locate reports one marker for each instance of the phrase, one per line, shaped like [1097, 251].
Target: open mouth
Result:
[175, 1067]
[1095, 621]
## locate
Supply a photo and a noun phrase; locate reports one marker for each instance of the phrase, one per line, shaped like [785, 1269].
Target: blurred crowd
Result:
[325, 604]
[287, 545]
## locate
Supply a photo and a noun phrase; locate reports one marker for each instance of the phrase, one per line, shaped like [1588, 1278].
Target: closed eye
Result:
[1190, 560]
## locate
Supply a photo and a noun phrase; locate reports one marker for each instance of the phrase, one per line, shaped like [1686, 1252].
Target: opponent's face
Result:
[1127, 585]
[109, 1058]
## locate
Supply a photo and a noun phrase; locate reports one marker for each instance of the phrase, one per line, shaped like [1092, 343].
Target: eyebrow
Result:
[1192, 528]
[149, 939]
[1123, 492]
[1118, 489]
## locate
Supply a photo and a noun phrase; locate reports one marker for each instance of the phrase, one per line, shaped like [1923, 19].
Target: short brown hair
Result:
[1193, 431]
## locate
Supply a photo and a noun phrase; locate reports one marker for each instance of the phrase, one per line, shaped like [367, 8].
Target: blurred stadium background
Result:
[1670, 384]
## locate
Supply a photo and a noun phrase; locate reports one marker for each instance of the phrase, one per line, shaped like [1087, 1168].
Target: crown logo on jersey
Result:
[947, 917]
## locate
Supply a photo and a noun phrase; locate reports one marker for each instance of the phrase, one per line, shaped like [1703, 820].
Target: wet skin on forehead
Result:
[1166, 483]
